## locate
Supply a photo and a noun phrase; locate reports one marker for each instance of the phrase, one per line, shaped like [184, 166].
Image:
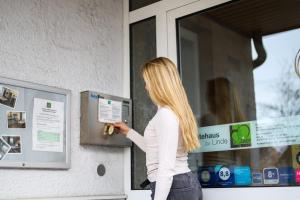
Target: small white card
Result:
[109, 111]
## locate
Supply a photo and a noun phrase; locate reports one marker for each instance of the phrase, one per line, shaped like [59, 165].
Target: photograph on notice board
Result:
[16, 119]
[14, 142]
[8, 97]
[4, 148]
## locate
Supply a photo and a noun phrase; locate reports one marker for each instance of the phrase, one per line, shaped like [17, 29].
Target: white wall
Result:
[71, 44]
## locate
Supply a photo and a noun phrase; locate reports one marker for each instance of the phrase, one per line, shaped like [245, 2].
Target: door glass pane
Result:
[237, 66]
[142, 49]
[136, 4]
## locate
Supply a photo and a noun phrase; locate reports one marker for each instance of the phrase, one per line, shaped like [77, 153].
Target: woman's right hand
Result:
[122, 127]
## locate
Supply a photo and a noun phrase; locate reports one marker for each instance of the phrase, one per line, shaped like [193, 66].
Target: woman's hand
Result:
[122, 127]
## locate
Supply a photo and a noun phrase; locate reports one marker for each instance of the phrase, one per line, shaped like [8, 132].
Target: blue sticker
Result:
[95, 96]
[271, 176]
[242, 175]
[224, 175]
[206, 176]
[286, 176]
[257, 178]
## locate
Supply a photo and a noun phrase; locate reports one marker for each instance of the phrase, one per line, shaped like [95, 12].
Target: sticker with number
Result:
[224, 173]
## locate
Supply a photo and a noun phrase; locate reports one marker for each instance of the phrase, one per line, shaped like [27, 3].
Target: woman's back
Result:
[164, 129]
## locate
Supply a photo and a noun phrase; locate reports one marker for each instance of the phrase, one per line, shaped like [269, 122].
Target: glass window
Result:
[237, 63]
[136, 4]
[142, 49]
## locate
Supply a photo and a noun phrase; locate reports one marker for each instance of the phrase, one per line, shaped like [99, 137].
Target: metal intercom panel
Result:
[94, 130]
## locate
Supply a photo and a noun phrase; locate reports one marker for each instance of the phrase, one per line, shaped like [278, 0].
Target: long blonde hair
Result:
[223, 101]
[165, 89]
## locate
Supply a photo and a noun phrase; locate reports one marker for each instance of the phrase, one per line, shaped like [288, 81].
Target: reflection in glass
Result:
[142, 49]
[222, 103]
[237, 65]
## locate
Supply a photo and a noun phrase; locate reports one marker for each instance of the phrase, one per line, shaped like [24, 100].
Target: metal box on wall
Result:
[92, 131]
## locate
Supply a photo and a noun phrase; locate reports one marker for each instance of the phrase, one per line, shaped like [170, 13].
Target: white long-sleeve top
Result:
[165, 154]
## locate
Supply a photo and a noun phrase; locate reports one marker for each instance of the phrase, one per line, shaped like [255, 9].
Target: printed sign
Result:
[242, 175]
[271, 176]
[240, 135]
[206, 176]
[253, 134]
[47, 125]
[286, 176]
[214, 138]
[109, 111]
[297, 175]
[257, 178]
[224, 175]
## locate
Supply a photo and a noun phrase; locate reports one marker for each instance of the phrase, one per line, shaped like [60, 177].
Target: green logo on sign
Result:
[48, 105]
[240, 135]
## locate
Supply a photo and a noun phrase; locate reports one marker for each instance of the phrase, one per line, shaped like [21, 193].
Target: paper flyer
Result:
[47, 125]
[109, 111]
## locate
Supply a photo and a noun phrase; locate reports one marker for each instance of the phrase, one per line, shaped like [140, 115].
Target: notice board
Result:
[34, 125]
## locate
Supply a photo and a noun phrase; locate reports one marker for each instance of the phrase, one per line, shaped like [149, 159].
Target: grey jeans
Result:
[184, 187]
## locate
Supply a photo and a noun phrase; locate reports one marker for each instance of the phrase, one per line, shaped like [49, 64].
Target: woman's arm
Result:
[167, 127]
[138, 139]
[131, 134]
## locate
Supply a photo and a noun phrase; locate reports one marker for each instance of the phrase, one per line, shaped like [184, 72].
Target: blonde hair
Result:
[165, 89]
[224, 101]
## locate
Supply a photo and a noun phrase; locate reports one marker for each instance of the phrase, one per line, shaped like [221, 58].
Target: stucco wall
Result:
[71, 44]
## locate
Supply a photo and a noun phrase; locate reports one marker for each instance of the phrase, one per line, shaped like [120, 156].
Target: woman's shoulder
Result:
[166, 112]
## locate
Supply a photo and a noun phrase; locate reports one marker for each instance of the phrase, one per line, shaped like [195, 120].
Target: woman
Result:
[169, 135]
[224, 107]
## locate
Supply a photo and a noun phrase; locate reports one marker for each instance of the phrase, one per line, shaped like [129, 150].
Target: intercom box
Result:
[93, 128]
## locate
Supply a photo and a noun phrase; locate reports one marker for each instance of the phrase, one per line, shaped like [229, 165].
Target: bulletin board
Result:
[34, 125]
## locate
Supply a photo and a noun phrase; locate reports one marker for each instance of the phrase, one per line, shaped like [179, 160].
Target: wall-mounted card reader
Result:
[98, 112]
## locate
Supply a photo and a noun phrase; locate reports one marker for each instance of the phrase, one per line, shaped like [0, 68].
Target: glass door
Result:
[237, 63]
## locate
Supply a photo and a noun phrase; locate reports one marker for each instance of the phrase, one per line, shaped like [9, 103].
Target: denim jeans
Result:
[184, 187]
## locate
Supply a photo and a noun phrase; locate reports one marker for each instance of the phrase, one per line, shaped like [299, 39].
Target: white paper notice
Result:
[109, 111]
[47, 125]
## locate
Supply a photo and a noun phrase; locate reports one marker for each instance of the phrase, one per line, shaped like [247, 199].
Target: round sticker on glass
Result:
[224, 173]
[205, 176]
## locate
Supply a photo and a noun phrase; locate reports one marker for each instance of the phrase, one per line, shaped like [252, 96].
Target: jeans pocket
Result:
[188, 193]
[182, 189]
[182, 185]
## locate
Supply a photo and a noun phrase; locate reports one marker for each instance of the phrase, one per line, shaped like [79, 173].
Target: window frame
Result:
[166, 13]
